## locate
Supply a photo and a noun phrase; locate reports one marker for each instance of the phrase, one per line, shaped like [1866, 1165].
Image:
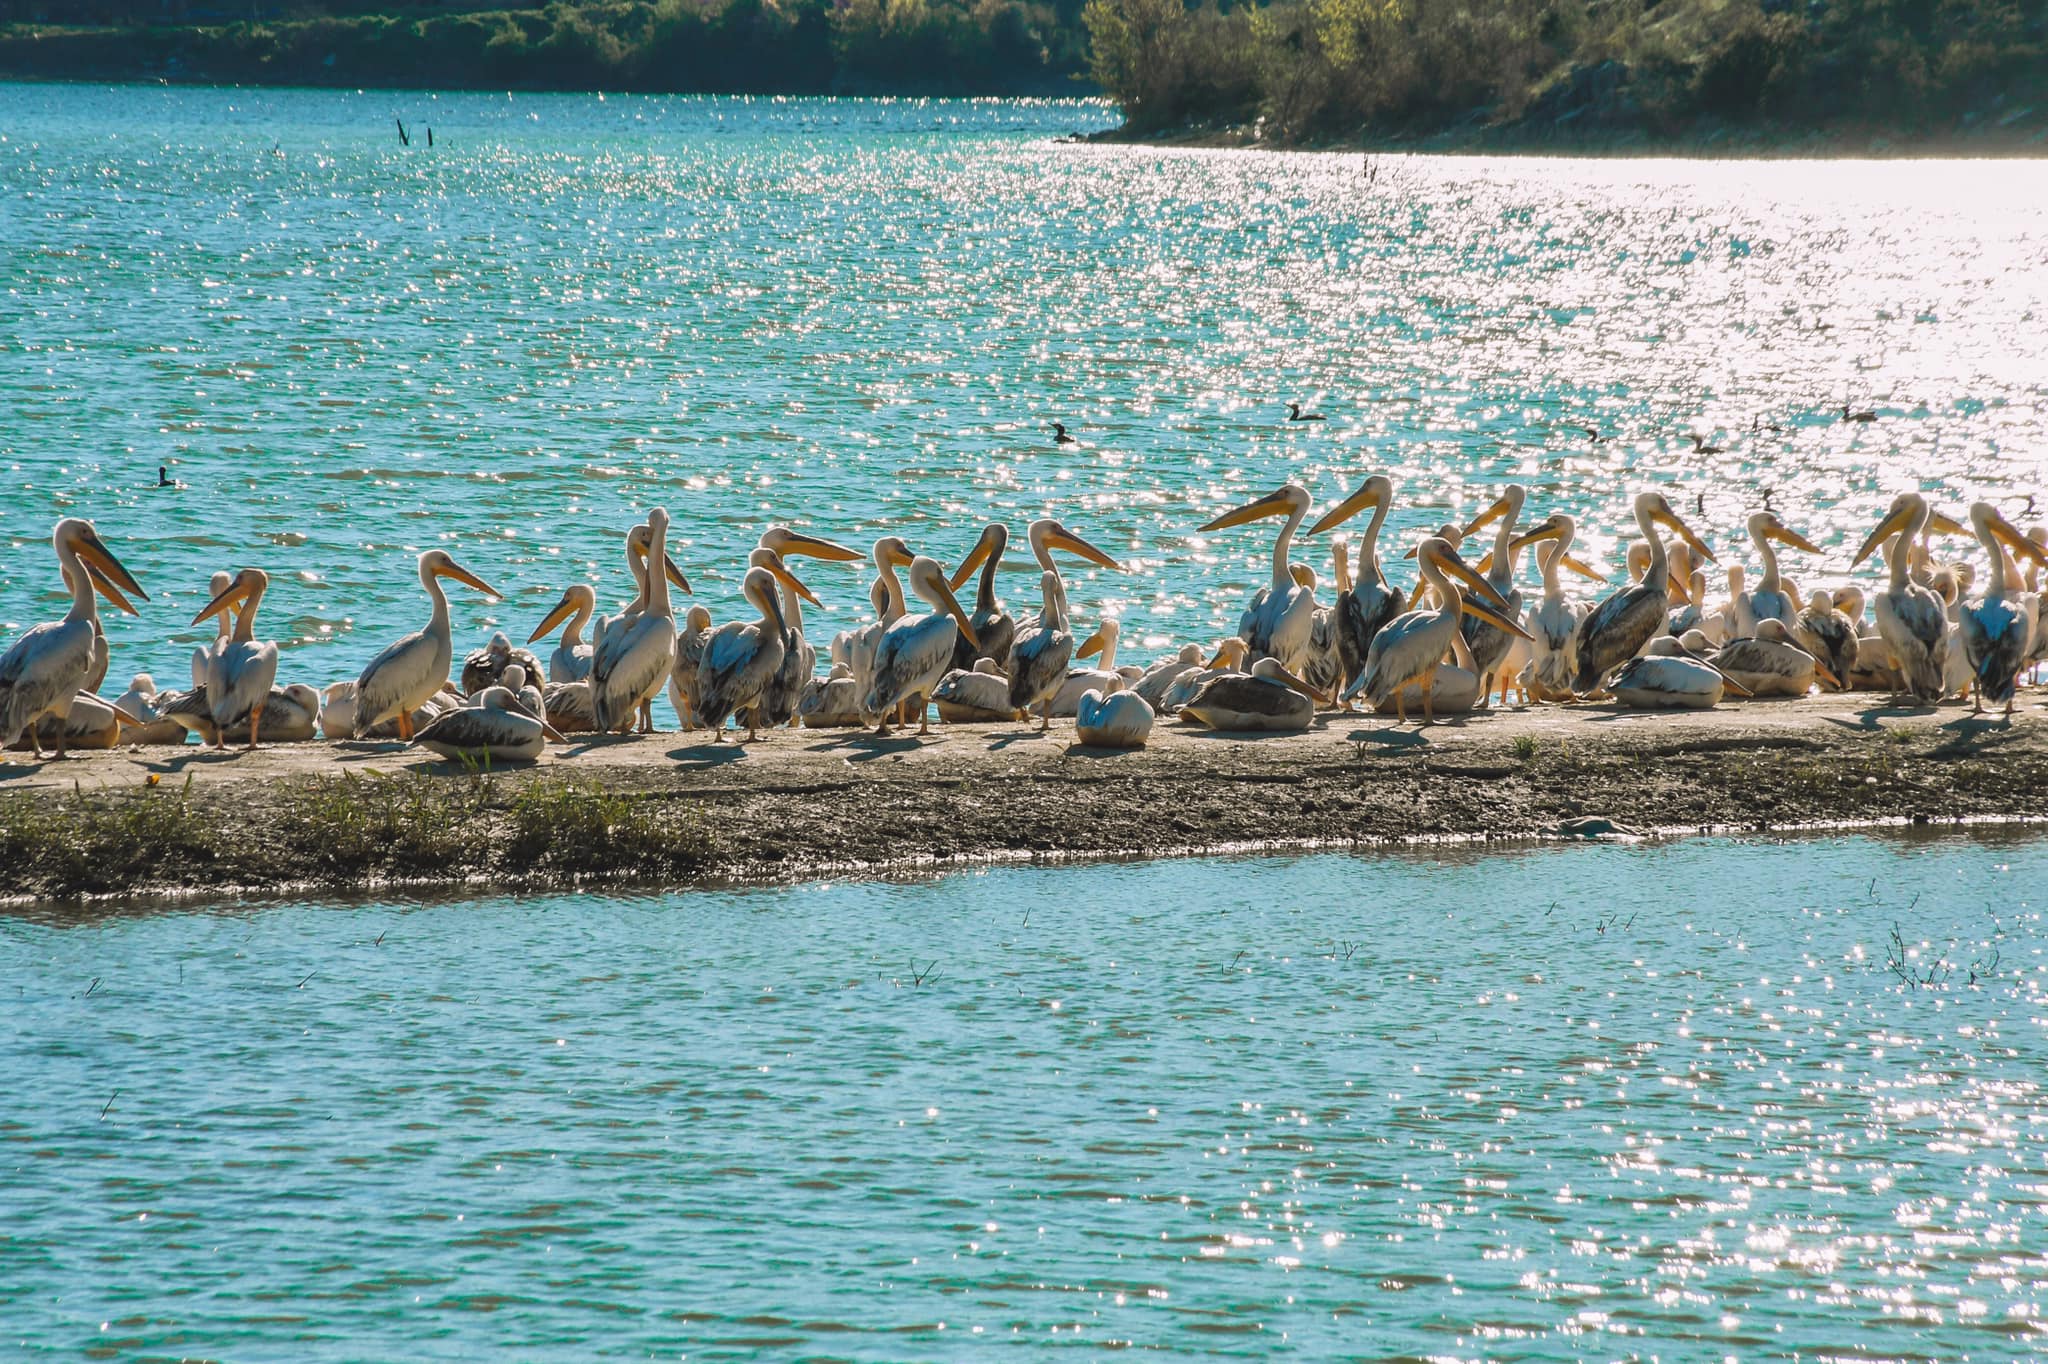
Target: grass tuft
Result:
[580, 828]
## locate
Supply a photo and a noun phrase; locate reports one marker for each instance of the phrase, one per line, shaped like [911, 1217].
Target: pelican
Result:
[1155, 681]
[485, 667]
[1998, 632]
[1119, 720]
[890, 554]
[41, 674]
[1103, 677]
[977, 695]
[1043, 646]
[742, 658]
[833, 703]
[525, 694]
[993, 626]
[1487, 645]
[567, 706]
[1619, 627]
[1770, 600]
[243, 669]
[1412, 646]
[633, 660]
[399, 680]
[1281, 616]
[288, 716]
[91, 724]
[1768, 663]
[224, 625]
[639, 553]
[570, 662]
[1268, 698]
[1370, 601]
[1322, 667]
[682, 681]
[913, 653]
[1554, 648]
[799, 658]
[138, 704]
[1829, 635]
[1229, 657]
[1663, 679]
[490, 731]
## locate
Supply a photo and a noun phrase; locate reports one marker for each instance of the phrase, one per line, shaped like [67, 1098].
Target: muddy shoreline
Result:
[672, 809]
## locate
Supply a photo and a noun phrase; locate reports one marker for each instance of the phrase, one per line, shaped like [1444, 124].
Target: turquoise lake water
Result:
[1657, 1102]
[860, 315]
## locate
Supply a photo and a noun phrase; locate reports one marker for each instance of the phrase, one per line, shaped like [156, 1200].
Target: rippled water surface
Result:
[862, 315]
[1671, 1102]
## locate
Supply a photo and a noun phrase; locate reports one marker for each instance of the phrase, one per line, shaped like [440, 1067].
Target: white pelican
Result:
[1666, 681]
[1617, 629]
[1768, 663]
[742, 657]
[633, 661]
[567, 706]
[1280, 619]
[890, 554]
[224, 624]
[289, 715]
[691, 638]
[1411, 647]
[799, 658]
[1044, 646]
[1322, 665]
[1829, 635]
[639, 549]
[993, 626]
[485, 667]
[490, 731]
[1103, 677]
[570, 662]
[1489, 646]
[399, 680]
[42, 673]
[977, 695]
[1119, 720]
[1554, 624]
[1269, 698]
[528, 696]
[138, 704]
[1998, 632]
[1155, 681]
[1770, 600]
[91, 723]
[833, 703]
[243, 669]
[914, 652]
[1229, 657]
[1370, 601]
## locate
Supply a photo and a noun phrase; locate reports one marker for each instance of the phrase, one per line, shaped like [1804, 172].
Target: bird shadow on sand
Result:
[1968, 734]
[1870, 719]
[865, 746]
[706, 754]
[1391, 736]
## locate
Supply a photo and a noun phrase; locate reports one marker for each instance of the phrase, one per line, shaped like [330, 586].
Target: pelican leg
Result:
[255, 723]
[1429, 697]
[405, 725]
[1400, 707]
[924, 716]
[1045, 717]
[1485, 693]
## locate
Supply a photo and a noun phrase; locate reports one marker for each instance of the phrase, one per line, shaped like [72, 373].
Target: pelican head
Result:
[788, 543]
[891, 552]
[1993, 529]
[577, 597]
[770, 560]
[1273, 670]
[1303, 576]
[1100, 640]
[1508, 504]
[77, 538]
[1291, 500]
[928, 580]
[1765, 525]
[1480, 598]
[1230, 653]
[1048, 534]
[640, 544]
[243, 588]
[1375, 492]
[994, 539]
[1655, 507]
[1905, 508]
[696, 619]
[436, 563]
[101, 585]
[1562, 529]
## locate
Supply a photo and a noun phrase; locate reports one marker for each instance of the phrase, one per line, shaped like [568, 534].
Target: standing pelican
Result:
[1619, 627]
[1769, 600]
[224, 625]
[398, 681]
[570, 662]
[44, 670]
[691, 637]
[633, 661]
[890, 554]
[913, 653]
[639, 546]
[994, 627]
[1370, 601]
[1412, 646]
[742, 658]
[1044, 646]
[1998, 632]
[243, 668]
[799, 656]
[1281, 617]
[1554, 650]
[1489, 646]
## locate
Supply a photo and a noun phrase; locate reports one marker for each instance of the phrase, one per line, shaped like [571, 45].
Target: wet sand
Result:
[806, 803]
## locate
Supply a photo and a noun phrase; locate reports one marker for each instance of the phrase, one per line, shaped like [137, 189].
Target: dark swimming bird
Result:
[1864, 416]
[1700, 446]
[1295, 414]
[1059, 434]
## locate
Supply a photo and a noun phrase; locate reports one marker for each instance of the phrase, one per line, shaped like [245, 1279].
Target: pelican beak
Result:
[1787, 535]
[898, 556]
[952, 605]
[230, 597]
[976, 557]
[675, 575]
[1730, 684]
[1669, 520]
[1938, 524]
[1062, 538]
[1890, 526]
[1351, 506]
[1216, 659]
[810, 546]
[464, 576]
[1275, 503]
[564, 608]
[1463, 572]
[1486, 518]
[788, 580]
[95, 553]
[1301, 575]
[553, 733]
[2021, 547]
[1549, 530]
[1481, 611]
[1826, 674]
[1678, 584]
[108, 590]
[1091, 646]
[1300, 685]
[1584, 571]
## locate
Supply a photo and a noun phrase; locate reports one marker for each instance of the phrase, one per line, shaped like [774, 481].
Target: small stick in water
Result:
[403, 139]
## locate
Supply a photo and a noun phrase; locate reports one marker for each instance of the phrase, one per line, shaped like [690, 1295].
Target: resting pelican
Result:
[1412, 646]
[993, 626]
[633, 660]
[799, 658]
[742, 658]
[243, 669]
[42, 673]
[833, 703]
[289, 714]
[1370, 601]
[485, 667]
[682, 681]
[1156, 680]
[1829, 635]
[567, 706]
[570, 662]
[1044, 646]
[526, 696]
[1998, 632]
[1230, 657]
[399, 680]
[490, 731]
[1281, 616]
[913, 653]
[1768, 663]
[91, 723]
[1554, 649]
[1269, 698]
[1770, 600]
[1619, 627]
[1662, 680]
[977, 695]
[1119, 720]
[1489, 646]
[138, 703]
[1103, 677]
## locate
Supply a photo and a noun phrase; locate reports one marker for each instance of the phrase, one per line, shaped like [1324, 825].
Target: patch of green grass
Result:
[397, 826]
[578, 828]
[88, 845]
[1524, 747]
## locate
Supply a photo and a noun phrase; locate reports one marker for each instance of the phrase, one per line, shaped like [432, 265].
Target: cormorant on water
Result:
[1295, 414]
[1059, 434]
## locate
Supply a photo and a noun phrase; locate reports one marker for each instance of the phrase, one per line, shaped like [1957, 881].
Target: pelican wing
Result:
[1362, 612]
[1617, 629]
[1995, 638]
[239, 678]
[42, 672]
[740, 660]
[1914, 626]
[631, 667]
[400, 679]
[1406, 648]
[911, 658]
[1038, 664]
[1487, 642]
[478, 732]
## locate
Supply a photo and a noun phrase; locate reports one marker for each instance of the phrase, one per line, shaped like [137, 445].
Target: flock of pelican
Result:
[1464, 634]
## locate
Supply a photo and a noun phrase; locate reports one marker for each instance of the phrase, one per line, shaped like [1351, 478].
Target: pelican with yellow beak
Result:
[1281, 617]
[1769, 600]
[46, 668]
[1412, 647]
[916, 651]
[1044, 646]
[633, 661]
[1617, 629]
[1912, 619]
[570, 662]
[799, 656]
[1489, 646]
[1370, 601]
[401, 679]
[242, 669]
[742, 658]
[1998, 632]
[639, 546]
[993, 626]
[1553, 652]
[890, 554]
